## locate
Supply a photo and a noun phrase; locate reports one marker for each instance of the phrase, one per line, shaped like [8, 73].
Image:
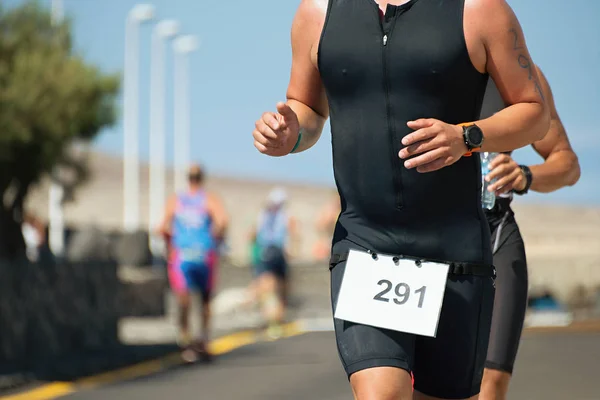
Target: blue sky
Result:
[242, 68]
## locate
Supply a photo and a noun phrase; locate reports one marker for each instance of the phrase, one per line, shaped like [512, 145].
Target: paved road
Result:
[552, 366]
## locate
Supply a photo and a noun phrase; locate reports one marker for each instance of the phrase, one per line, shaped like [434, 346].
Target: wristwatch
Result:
[473, 137]
[528, 179]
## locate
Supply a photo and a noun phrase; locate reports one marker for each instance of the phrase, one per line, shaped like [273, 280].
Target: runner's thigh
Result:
[510, 303]
[362, 346]
[450, 366]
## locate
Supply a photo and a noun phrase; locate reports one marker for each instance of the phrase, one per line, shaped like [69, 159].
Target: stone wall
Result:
[47, 310]
[50, 310]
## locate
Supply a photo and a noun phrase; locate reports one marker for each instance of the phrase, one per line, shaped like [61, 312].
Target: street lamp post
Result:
[57, 11]
[131, 174]
[182, 46]
[56, 236]
[162, 32]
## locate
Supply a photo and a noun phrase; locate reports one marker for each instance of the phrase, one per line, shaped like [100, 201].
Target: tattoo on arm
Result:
[525, 63]
[516, 42]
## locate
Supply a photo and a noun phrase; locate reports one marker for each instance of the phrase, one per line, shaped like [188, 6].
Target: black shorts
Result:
[272, 259]
[449, 366]
[510, 303]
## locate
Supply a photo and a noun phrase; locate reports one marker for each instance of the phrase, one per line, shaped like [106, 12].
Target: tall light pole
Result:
[56, 235]
[57, 11]
[182, 47]
[139, 14]
[162, 32]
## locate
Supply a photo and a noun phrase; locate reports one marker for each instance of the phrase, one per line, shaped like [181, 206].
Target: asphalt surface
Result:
[561, 366]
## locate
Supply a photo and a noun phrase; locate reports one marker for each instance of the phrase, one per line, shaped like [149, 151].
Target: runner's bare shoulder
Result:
[309, 20]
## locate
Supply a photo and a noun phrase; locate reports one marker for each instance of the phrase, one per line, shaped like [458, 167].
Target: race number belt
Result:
[394, 292]
[454, 268]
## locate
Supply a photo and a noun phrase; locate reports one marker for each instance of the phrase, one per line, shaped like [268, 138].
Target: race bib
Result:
[192, 255]
[398, 294]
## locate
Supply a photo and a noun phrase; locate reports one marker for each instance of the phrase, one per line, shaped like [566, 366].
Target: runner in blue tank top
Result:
[272, 235]
[195, 224]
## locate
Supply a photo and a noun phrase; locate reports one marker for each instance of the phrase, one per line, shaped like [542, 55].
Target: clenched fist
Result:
[276, 134]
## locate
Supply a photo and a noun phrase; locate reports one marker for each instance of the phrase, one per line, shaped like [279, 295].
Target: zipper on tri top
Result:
[395, 160]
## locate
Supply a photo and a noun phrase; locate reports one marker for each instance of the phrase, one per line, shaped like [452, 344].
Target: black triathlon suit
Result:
[510, 303]
[379, 74]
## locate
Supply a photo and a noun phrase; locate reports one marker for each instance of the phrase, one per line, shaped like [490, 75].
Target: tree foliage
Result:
[49, 98]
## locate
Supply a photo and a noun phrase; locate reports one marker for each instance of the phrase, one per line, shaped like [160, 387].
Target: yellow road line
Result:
[219, 346]
[45, 392]
[232, 342]
[131, 372]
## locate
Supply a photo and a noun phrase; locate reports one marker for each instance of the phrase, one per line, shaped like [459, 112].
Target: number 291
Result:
[402, 290]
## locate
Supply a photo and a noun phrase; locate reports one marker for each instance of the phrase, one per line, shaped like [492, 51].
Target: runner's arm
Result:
[327, 215]
[164, 228]
[322, 219]
[219, 216]
[561, 166]
[294, 234]
[38, 225]
[509, 64]
[252, 235]
[255, 228]
[305, 93]
[293, 228]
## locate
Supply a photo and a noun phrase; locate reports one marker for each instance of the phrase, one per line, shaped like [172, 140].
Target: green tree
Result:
[49, 98]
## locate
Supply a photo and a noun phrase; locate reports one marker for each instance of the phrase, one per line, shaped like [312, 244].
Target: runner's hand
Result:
[435, 144]
[218, 232]
[276, 133]
[508, 174]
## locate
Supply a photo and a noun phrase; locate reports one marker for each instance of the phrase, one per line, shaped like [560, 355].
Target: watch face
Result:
[475, 136]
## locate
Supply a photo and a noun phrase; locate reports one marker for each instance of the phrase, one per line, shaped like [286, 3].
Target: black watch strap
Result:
[528, 180]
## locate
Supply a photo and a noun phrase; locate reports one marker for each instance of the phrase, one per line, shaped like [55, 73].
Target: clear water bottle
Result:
[488, 199]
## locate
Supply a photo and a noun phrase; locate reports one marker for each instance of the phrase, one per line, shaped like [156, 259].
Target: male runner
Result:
[398, 89]
[559, 169]
[272, 235]
[195, 223]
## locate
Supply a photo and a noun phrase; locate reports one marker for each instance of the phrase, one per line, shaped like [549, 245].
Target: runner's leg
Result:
[510, 305]
[203, 278]
[283, 279]
[183, 300]
[180, 288]
[206, 284]
[272, 297]
[270, 283]
[203, 344]
[188, 271]
[376, 360]
[450, 366]
[381, 383]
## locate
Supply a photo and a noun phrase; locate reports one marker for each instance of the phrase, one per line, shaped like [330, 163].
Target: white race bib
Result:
[192, 255]
[402, 296]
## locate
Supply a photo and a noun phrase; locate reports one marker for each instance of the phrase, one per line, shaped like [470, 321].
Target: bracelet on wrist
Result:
[528, 179]
[297, 142]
